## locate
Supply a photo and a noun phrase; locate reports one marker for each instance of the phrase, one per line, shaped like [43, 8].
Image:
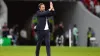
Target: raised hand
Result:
[51, 6]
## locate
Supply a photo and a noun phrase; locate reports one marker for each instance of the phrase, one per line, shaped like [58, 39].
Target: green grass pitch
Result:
[55, 51]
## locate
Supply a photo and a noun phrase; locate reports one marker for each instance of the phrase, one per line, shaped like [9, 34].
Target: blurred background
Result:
[76, 22]
[74, 29]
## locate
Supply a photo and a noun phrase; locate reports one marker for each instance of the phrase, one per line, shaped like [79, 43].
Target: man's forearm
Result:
[50, 9]
[53, 9]
[43, 13]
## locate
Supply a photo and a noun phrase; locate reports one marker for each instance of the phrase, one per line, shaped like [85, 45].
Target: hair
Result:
[90, 28]
[75, 25]
[40, 4]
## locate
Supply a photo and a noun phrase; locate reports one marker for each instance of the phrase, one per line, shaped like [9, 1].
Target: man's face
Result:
[42, 8]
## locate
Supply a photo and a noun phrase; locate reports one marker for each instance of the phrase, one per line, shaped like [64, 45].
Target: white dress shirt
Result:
[46, 25]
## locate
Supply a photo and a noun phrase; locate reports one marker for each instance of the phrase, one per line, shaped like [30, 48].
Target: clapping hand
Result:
[51, 6]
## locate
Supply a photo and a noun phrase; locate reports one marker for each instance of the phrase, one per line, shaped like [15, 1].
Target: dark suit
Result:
[43, 34]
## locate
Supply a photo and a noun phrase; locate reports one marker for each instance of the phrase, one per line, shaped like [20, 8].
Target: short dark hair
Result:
[90, 28]
[75, 25]
[40, 4]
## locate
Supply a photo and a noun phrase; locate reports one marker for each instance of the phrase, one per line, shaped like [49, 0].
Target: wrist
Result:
[53, 9]
[50, 9]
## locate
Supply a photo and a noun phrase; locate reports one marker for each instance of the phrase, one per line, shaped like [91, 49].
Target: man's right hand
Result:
[51, 6]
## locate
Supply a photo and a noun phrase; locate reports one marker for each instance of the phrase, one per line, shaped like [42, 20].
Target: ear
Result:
[39, 8]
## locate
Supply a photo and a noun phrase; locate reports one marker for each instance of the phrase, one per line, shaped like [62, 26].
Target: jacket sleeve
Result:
[46, 13]
[52, 13]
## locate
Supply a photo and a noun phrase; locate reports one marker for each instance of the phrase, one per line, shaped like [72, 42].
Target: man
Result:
[5, 30]
[60, 37]
[15, 34]
[92, 6]
[43, 27]
[89, 35]
[97, 9]
[75, 35]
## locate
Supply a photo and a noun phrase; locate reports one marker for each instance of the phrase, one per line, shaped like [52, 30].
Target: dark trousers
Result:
[74, 41]
[5, 33]
[43, 35]
[88, 42]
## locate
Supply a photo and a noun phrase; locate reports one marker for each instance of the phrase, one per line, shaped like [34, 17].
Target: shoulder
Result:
[38, 11]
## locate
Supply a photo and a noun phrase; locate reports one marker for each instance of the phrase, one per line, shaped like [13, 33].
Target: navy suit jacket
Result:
[42, 16]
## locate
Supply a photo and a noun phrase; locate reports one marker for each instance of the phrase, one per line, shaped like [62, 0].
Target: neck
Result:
[42, 10]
